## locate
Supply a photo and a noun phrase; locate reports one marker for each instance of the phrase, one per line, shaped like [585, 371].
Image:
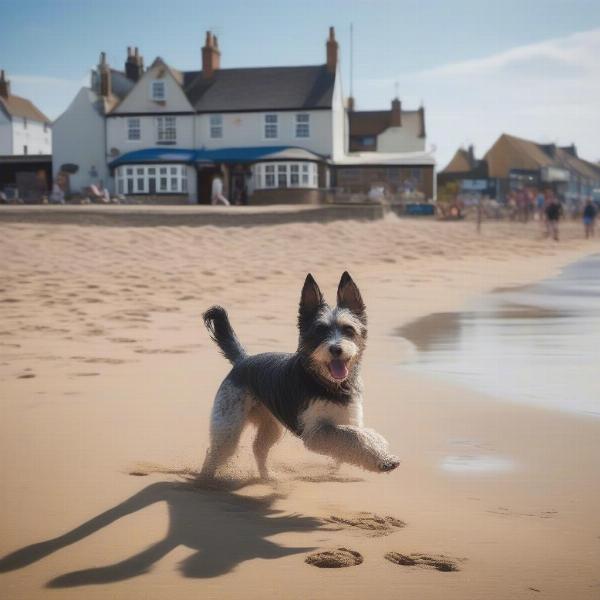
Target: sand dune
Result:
[107, 378]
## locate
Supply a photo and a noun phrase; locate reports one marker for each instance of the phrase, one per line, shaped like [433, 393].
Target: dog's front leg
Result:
[345, 443]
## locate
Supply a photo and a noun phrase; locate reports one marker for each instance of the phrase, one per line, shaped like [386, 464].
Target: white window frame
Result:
[286, 174]
[132, 127]
[215, 124]
[302, 123]
[166, 130]
[135, 179]
[270, 120]
[155, 85]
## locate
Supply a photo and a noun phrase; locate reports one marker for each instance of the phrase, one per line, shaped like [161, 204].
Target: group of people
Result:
[546, 207]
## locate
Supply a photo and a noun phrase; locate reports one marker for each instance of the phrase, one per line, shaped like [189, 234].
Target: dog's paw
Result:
[388, 464]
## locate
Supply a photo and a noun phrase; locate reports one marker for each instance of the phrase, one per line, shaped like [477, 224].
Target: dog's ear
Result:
[311, 299]
[348, 296]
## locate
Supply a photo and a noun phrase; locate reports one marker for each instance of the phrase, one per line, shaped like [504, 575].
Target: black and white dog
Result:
[316, 392]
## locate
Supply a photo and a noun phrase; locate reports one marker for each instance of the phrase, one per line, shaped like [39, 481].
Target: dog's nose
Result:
[335, 350]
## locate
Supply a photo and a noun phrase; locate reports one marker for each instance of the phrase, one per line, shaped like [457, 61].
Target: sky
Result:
[525, 67]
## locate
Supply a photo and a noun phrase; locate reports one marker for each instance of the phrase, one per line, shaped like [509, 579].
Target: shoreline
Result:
[106, 369]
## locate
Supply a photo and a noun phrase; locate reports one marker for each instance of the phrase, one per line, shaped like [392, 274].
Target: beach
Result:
[107, 377]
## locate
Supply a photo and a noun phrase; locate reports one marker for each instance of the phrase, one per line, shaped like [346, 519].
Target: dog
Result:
[316, 392]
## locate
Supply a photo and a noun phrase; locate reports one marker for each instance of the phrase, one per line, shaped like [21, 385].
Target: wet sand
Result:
[107, 379]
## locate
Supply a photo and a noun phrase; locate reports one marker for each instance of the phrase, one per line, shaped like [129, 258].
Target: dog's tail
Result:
[217, 323]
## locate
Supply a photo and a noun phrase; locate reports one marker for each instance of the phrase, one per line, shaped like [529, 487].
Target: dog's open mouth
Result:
[338, 369]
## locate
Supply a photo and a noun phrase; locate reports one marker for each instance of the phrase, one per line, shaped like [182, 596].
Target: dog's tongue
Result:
[338, 369]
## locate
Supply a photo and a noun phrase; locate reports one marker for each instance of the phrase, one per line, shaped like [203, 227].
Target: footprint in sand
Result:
[440, 562]
[375, 525]
[334, 559]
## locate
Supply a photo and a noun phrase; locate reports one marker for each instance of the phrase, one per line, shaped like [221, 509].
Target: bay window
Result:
[152, 179]
[285, 175]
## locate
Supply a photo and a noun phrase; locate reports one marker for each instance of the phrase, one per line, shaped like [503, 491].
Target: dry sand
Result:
[107, 378]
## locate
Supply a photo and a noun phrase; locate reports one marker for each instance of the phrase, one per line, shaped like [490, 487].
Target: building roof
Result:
[260, 88]
[464, 165]
[374, 122]
[15, 106]
[510, 152]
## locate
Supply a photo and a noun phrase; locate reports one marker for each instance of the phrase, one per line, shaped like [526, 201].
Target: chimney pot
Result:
[4, 85]
[332, 51]
[350, 103]
[211, 56]
[396, 113]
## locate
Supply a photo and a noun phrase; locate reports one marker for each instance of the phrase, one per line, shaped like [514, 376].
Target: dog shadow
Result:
[223, 528]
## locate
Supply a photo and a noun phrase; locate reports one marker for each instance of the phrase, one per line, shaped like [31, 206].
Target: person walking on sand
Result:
[216, 196]
[589, 218]
[553, 213]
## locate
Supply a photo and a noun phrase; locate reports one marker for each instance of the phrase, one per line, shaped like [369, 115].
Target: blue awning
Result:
[222, 155]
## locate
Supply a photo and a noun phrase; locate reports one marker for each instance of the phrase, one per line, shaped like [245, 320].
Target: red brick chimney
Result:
[4, 85]
[211, 56]
[396, 116]
[134, 65]
[332, 51]
[104, 74]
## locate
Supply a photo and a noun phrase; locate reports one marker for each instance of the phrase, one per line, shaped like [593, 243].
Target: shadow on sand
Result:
[224, 528]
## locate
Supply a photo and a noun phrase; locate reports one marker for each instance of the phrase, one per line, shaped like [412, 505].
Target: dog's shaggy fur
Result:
[315, 392]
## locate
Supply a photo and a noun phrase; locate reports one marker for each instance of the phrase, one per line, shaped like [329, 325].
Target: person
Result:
[553, 214]
[216, 196]
[589, 218]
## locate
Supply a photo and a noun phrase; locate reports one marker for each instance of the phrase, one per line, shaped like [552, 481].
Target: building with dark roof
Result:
[272, 134]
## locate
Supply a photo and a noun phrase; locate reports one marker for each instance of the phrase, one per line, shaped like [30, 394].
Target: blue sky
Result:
[480, 68]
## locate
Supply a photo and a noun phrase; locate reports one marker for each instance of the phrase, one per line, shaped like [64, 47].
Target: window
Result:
[167, 132]
[157, 91]
[152, 179]
[271, 126]
[284, 175]
[216, 126]
[24, 149]
[134, 132]
[302, 125]
[24, 122]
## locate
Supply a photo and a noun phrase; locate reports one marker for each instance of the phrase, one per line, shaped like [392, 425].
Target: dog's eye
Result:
[348, 331]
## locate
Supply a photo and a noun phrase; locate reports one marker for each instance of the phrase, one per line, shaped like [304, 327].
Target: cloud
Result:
[547, 91]
[578, 51]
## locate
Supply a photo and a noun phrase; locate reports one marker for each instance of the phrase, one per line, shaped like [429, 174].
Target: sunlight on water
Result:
[537, 345]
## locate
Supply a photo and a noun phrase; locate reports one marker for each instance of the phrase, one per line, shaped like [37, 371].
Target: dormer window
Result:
[157, 91]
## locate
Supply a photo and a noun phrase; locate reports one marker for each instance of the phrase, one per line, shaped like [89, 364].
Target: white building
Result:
[24, 129]
[274, 134]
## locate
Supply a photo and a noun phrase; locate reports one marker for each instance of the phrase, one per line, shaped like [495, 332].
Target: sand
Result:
[106, 381]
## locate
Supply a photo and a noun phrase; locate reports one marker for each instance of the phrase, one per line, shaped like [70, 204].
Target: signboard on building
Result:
[473, 185]
[552, 174]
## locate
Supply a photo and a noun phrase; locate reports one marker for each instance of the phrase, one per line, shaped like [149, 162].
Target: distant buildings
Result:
[25, 145]
[514, 163]
[273, 134]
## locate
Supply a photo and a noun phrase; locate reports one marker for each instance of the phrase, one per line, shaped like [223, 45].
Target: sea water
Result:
[536, 345]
